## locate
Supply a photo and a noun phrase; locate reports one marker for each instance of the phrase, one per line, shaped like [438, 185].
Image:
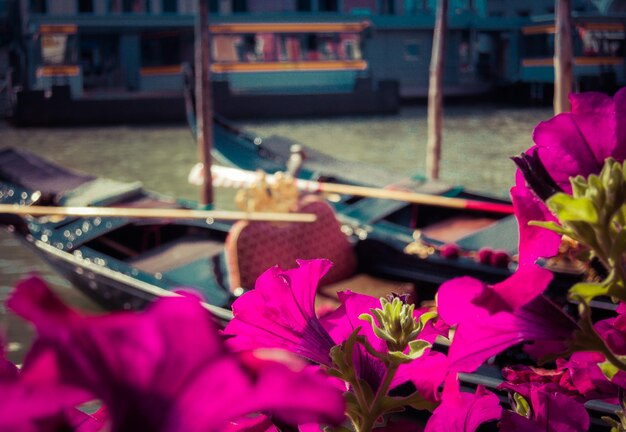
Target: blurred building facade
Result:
[97, 48]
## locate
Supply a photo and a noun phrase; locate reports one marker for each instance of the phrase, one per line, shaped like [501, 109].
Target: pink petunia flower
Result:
[613, 330]
[280, 313]
[462, 411]
[426, 372]
[488, 327]
[166, 369]
[582, 374]
[550, 411]
[31, 400]
[578, 142]
[534, 242]
[568, 145]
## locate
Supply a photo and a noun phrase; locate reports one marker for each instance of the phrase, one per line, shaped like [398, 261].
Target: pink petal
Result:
[481, 334]
[463, 411]
[534, 242]
[426, 373]
[166, 369]
[280, 313]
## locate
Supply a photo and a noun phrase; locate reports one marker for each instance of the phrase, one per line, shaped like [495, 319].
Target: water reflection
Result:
[478, 139]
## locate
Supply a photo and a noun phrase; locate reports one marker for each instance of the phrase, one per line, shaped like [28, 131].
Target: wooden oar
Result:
[233, 177]
[155, 213]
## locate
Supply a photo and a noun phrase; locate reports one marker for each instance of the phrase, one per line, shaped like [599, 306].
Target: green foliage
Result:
[521, 405]
[595, 216]
[395, 323]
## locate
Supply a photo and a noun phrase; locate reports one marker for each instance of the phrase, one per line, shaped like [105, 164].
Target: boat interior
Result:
[221, 259]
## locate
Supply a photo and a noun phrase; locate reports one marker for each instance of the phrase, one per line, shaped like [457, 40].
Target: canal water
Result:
[477, 142]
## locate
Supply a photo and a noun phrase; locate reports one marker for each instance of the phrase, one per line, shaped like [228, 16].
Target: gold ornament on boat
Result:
[419, 247]
[278, 196]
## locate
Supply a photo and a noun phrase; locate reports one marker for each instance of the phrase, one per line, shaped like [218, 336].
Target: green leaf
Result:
[416, 401]
[588, 290]
[417, 348]
[619, 245]
[425, 317]
[390, 404]
[608, 369]
[567, 208]
[522, 407]
[579, 186]
[552, 226]
[611, 422]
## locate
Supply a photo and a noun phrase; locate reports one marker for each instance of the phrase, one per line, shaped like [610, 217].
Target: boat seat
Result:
[452, 229]
[100, 192]
[253, 247]
[176, 254]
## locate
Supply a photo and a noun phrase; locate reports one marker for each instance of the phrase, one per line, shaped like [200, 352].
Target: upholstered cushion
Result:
[361, 283]
[253, 247]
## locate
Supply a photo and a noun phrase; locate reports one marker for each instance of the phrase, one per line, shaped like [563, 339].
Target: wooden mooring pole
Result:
[204, 107]
[435, 96]
[562, 56]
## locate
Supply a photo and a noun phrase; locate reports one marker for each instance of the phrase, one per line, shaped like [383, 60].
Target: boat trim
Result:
[578, 61]
[219, 312]
[290, 66]
[298, 27]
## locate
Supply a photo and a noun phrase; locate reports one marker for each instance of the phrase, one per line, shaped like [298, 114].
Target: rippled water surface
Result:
[478, 139]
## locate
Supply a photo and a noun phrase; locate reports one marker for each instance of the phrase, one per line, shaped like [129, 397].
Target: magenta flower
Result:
[32, 401]
[487, 325]
[460, 411]
[426, 373]
[582, 374]
[569, 144]
[8, 371]
[166, 369]
[578, 142]
[550, 411]
[534, 242]
[280, 313]
[613, 330]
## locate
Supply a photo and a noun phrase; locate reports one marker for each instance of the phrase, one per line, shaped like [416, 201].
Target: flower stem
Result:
[374, 410]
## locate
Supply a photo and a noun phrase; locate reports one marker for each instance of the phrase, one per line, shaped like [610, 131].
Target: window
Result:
[608, 43]
[387, 7]
[85, 6]
[135, 6]
[38, 6]
[160, 49]
[465, 5]
[169, 6]
[413, 7]
[213, 6]
[304, 6]
[328, 5]
[240, 5]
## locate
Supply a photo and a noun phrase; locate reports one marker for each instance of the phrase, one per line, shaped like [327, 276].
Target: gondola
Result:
[422, 230]
[123, 263]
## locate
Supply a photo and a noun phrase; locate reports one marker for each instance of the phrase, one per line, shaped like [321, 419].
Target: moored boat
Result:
[395, 224]
[124, 262]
